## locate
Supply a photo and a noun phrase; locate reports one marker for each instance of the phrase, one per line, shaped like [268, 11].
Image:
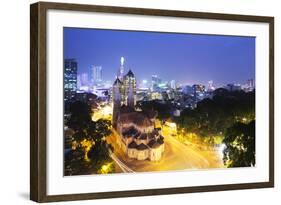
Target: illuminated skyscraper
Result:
[84, 79]
[210, 86]
[155, 81]
[121, 70]
[79, 84]
[251, 84]
[198, 91]
[173, 84]
[96, 74]
[70, 78]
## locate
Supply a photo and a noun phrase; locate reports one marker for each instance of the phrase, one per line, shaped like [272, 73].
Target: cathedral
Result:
[137, 135]
[124, 91]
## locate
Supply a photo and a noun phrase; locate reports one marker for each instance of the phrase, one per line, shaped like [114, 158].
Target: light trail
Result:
[124, 167]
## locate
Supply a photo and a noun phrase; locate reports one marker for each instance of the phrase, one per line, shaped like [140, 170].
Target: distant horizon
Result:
[186, 58]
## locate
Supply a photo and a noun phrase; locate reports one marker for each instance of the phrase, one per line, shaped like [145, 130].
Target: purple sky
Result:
[186, 58]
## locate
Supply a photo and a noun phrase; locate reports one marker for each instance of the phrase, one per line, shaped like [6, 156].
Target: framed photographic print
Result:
[134, 102]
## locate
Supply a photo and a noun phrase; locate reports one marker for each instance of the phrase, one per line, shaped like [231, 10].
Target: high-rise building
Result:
[84, 79]
[155, 81]
[144, 85]
[70, 78]
[233, 87]
[173, 84]
[210, 86]
[188, 90]
[251, 84]
[96, 74]
[198, 92]
[79, 84]
[121, 70]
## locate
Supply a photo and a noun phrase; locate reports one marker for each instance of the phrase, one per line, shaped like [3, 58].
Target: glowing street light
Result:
[105, 168]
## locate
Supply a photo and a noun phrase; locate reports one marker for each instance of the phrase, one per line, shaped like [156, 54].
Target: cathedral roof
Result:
[130, 73]
[142, 147]
[143, 136]
[155, 132]
[151, 135]
[137, 118]
[160, 140]
[137, 135]
[153, 144]
[117, 82]
[132, 145]
[130, 132]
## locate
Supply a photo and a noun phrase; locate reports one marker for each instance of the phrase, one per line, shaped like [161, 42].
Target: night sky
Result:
[186, 58]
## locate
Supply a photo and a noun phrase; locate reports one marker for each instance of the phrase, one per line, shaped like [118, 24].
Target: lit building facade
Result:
[130, 89]
[137, 135]
[210, 86]
[233, 87]
[123, 91]
[155, 82]
[198, 92]
[173, 84]
[70, 78]
[96, 74]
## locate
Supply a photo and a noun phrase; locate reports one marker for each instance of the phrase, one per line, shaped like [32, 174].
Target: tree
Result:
[90, 137]
[99, 153]
[213, 116]
[163, 109]
[98, 130]
[240, 145]
[80, 115]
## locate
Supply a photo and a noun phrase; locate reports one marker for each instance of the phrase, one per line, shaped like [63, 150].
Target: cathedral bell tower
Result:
[130, 86]
[117, 97]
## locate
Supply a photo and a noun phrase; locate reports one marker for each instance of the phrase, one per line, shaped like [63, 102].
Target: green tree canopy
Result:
[93, 132]
[240, 145]
[214, 116]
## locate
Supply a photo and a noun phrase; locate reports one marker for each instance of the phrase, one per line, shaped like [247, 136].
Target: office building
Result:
[70, 78]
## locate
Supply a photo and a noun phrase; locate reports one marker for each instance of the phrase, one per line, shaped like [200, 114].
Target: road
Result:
[122, 166]
[176, 156]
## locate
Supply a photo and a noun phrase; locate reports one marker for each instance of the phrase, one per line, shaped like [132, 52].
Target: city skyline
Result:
[92, 47]
[162, 109]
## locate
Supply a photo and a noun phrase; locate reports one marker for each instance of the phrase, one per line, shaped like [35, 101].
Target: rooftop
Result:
[142, 147]
[130, 132]
[137, 118]
[132, 145]
[117, 82]
[130, 73]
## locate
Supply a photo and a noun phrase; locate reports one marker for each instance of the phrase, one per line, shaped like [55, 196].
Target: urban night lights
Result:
[148, 101]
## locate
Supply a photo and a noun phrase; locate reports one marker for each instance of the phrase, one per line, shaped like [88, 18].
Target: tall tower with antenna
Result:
[121, 69]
